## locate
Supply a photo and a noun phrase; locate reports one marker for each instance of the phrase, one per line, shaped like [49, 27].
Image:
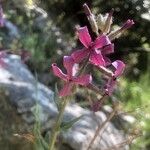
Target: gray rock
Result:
[25, 93]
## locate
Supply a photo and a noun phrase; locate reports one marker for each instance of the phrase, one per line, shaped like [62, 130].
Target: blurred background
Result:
[44, 30]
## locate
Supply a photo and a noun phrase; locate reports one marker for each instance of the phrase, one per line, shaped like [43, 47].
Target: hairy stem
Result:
[57, 124]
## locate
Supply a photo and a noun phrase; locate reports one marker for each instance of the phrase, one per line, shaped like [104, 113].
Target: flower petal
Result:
[97, 58]
[119, 66]
[101, 41]
[110, 86]
[83, 80]
[107, 61]
[57, 72]
[68, 63]
[66, 90]
[79, 55]
[108, 49]
[84, 36]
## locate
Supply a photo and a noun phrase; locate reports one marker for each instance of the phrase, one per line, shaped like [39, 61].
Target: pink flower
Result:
[119, 68]
[70, 77]
[90, 48]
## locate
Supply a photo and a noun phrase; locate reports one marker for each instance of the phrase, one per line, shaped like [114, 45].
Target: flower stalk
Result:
[94, 52]
[56, 128]
[91, 18]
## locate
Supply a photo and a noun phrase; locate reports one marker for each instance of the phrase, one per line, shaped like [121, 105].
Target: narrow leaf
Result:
[67, 125]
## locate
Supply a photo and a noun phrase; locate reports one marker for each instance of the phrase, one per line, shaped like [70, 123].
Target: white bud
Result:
[93, 23]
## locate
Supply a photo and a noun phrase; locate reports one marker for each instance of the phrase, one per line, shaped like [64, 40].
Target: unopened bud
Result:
[91, 18]
[118, 32]
[127, 24]
[108, 22]
[101, 22]
[115, 34]
[93, 23]
[87, 10]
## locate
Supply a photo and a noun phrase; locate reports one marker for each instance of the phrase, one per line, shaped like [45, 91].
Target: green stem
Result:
[57, 125]
[101, 126]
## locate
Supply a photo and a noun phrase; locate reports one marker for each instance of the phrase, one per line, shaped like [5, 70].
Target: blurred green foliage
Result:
[136, 96]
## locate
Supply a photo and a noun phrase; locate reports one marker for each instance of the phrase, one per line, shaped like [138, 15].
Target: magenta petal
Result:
[66, 90]
[119, 66]
[83, 80]
[68, 63]
[97, 59]
[108, 49]
[110, 86]
[79, 55]
[57, 72]
[107, 61]
[84, 36]
[101, 41]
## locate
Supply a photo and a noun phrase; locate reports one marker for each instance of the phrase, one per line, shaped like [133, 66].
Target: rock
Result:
[122, 121]
[25, 93]
[13, 31]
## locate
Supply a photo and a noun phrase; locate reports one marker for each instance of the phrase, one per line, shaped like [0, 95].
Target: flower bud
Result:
[91, 18]
[101, 22]
[87, 10]
[108, 22]
[118, 32]
[93, 23]
[127, 24]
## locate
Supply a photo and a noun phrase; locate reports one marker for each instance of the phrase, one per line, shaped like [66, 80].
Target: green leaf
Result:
[67, 125]
[47, 137]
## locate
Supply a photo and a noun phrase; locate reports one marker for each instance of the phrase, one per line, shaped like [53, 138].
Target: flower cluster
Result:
[94, 52]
